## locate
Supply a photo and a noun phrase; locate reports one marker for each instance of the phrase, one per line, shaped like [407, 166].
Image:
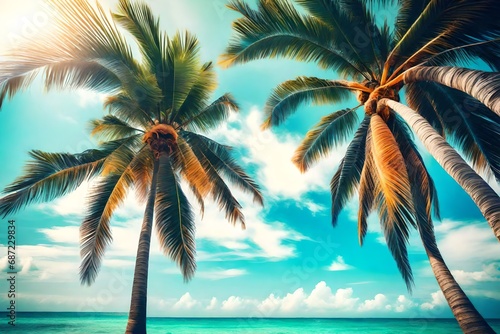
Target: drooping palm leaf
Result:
[347, 178]
[174, 220]
[289, 95]
[395, 206]
[52, 175]
[277, 29]
[331, 131]
[220, 191]
[220, 159]
[471, 126]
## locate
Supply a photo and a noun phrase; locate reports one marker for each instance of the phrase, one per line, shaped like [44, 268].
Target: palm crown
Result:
[150, 138]
[379, 63]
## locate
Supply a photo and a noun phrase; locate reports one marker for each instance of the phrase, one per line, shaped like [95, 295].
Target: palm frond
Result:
[142, 171]
[180, 65]
[111, 127]
[128, 110]
[418, 98]
[277, 29]
[287, 97]
[212, 115]
[395, 205]
[52, 175]
[220, 157]
[95, 231]
[220, 191]
[351, 30]
[484, 86]
[174, 220]
[471, 127]
[199, 95]
[190, 167]
[331, 131]
[347, 178]
[139, 20]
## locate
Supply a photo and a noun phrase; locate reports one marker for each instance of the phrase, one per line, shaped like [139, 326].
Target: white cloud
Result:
[404, 304]
[339, 265]
[437, 301]
[186, 302]
[278, 174]
[323, 298]
[213, 304]
[490, 273]
[478, 244]
[235, 303]
[218, 274]
[377, 303]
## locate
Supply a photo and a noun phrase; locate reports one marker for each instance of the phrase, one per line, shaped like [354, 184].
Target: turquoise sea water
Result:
[88, 323]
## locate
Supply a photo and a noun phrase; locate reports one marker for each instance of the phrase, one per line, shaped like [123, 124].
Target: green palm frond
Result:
[346, 180]
[128, 110]
[181, 66]
[289, 95]
[111, 127]
[212, 115]
[52, 175]
[81, 74]
[200, 93]
[277, 29]
[95, 231]
[175, 220]
[351, 30]
[220, 191]
[331, 131]
[221, 159]
[431, 32]
[138, 19]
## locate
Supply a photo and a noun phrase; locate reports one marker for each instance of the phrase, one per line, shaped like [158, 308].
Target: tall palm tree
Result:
[150, 139]
[378, 62]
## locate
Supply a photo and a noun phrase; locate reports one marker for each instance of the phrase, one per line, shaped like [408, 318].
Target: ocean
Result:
[108, 323]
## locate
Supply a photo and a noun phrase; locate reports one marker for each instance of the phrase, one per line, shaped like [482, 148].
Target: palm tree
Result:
[378, 62]
[150, 139]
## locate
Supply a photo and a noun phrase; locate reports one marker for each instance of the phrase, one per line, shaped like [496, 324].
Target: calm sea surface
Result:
[66, 323]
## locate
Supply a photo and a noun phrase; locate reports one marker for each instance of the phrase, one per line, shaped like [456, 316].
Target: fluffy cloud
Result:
[377, 303]
[490, 273]
[320, 301]
[276, 174]
[339, 265]
[186, 302]
[437, 301]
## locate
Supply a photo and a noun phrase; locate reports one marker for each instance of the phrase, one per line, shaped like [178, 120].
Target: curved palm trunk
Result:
[468, 317]
[479, 190]
[484, 86]
[138, 304]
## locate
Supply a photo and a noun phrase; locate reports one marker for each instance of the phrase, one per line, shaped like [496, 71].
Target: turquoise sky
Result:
[289, 262]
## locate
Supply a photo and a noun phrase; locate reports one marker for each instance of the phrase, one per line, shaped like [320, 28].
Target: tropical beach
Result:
[323, 166]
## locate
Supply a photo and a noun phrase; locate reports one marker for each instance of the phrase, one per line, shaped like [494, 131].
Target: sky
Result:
[289, 262]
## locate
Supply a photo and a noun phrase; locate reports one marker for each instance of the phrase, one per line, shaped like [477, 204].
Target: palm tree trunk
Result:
[463, 310]
[481, 85]
[479, 190]
[138, 304]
